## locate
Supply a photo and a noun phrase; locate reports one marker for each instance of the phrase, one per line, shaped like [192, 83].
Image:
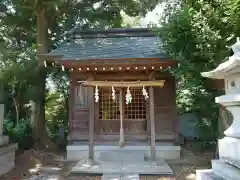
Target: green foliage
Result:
[197, 34]
[56, 113]
[21, 133]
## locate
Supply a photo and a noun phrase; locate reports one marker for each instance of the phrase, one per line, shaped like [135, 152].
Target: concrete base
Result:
[228, 166]
[225, 170]
[4, 140]
[77, 152]
[7, 158]
[229, 150]
[220, 171]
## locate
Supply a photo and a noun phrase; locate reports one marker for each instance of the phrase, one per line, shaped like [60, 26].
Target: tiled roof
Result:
[112, 45]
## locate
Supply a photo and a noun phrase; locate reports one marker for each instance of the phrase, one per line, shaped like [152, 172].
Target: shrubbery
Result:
[20, 133]
[198, 34]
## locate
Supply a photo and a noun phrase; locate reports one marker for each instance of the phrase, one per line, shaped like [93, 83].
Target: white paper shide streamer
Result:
[96, 94]
[113, 94]
[128, 96]
[144, 92]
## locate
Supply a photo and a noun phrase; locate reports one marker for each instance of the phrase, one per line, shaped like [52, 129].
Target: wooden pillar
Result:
[91, 111]
[71, 107]
[176, 120]
[152, 123]
[121, 140]
[96, 118]
[148, 121]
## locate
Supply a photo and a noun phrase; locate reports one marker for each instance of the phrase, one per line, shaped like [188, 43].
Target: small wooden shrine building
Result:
[120, 89]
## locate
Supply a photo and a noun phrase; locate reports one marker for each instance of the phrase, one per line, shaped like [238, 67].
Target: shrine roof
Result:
[116, 43]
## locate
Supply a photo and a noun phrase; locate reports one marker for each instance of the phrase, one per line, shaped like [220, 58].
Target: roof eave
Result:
[118, 62]
[49, 56]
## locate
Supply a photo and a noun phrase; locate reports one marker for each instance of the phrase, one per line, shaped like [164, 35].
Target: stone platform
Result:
[122, 155]
[122, 164]
[141, 167]
[7, 158]
[163, 151]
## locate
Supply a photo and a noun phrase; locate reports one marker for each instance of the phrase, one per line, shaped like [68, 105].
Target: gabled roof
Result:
[117, 43]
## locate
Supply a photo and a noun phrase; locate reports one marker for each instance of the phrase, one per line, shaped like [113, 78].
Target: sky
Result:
[153, 16]
[150, 18]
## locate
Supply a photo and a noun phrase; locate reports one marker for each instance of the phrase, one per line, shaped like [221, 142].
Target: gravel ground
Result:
[28, 167]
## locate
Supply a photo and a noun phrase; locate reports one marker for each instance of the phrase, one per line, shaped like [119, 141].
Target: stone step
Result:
[111, 177]
[207, 174]
[130, 177]
[122, 156]
[225, 170]
[120, 177]
[7, 158]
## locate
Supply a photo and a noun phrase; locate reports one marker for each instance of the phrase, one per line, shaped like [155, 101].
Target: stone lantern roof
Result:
[226, 68]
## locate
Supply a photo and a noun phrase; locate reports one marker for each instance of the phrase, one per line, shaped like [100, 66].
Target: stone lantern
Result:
[228, 165]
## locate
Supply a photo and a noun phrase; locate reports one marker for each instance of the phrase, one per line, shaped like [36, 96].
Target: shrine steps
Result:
[165, 151]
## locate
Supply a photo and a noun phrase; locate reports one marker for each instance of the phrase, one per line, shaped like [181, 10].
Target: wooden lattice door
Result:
[135, 118]
[134, 122]
[109, 114]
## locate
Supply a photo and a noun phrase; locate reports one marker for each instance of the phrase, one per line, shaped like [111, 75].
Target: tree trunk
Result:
[38, 109]
[17, 110]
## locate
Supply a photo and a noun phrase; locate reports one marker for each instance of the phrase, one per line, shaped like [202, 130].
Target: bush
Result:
[20, 133]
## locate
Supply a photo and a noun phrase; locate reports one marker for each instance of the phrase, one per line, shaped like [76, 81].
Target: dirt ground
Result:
[37, 165]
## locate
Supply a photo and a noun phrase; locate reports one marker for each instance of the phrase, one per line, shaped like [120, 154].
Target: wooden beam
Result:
[152, 122]
[116, 76]
[91, 111]
[59, 58]
[120, 76]
[159, 83]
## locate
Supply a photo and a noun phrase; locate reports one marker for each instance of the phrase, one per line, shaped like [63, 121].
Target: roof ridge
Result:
[111, 32]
